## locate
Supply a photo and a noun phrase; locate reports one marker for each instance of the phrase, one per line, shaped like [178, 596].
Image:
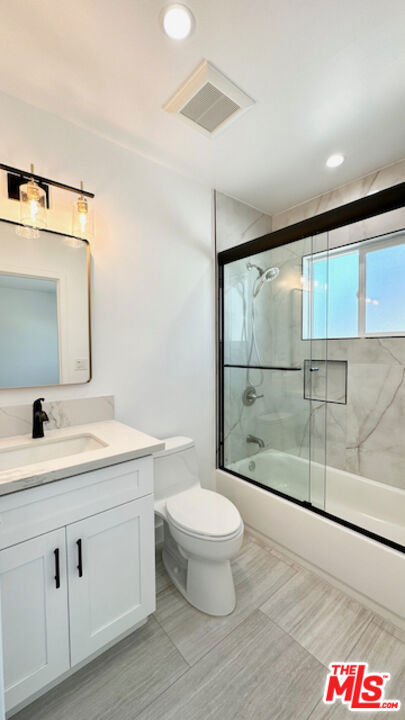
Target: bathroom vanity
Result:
[76, 549]
[76, 506]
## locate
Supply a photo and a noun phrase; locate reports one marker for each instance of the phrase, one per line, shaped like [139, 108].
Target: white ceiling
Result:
[327, 75]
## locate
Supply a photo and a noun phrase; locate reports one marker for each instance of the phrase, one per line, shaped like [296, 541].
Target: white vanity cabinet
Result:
[76, 571]
[34, 615]
[110, 557]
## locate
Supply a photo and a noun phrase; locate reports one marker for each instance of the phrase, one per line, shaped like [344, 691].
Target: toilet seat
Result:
[204, 514]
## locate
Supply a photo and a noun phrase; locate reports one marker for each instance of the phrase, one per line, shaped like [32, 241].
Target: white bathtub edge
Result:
[371, 571]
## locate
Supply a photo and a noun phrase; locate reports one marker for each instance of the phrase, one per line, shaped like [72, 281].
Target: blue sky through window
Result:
[385, 290]
[335, 282]
[341, 301]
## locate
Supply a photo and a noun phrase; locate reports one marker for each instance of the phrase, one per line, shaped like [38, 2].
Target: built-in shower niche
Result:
[326, 381]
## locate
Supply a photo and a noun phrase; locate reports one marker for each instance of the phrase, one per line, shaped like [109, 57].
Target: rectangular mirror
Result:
[44, 308]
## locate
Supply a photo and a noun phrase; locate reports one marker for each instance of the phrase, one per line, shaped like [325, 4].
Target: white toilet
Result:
[203, 530]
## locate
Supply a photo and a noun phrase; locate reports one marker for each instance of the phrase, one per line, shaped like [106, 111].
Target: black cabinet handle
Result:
[57, 568]
[80, 558]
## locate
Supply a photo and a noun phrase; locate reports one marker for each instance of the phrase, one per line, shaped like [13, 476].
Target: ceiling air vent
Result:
[208, 100]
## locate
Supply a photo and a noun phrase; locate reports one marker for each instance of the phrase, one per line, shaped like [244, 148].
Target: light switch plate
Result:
[81, 364]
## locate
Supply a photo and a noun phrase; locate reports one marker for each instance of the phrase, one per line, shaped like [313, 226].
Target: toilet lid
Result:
[203, 512]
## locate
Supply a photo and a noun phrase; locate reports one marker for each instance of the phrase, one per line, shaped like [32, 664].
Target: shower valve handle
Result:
[249, 395]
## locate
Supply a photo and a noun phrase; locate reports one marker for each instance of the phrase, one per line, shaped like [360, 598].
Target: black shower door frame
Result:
[378, 203]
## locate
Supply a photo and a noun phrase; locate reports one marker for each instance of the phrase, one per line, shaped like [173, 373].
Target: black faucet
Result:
[39, 416]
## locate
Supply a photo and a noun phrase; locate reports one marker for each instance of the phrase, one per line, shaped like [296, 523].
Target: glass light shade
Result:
[82, 218]
[32, 208]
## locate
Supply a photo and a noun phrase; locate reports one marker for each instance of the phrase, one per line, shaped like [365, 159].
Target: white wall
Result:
[152, 276]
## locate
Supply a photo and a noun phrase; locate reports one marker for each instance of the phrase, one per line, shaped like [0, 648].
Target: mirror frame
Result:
[62, 234]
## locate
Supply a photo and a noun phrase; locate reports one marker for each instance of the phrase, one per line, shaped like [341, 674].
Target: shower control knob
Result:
[250, 396]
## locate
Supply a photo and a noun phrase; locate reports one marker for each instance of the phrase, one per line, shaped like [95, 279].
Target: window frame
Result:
[363, 248]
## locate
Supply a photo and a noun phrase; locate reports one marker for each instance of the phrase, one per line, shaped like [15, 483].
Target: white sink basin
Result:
[30, 452]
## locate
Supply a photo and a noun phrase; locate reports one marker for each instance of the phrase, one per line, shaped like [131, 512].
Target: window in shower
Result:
[385, 290]
[331, 295]
[355, 291]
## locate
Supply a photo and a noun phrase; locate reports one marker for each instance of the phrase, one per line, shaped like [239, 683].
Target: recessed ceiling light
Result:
[335, 160]
[177, 21]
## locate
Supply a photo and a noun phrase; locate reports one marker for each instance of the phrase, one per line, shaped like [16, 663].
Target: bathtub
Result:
[370, 505]
[369, 570]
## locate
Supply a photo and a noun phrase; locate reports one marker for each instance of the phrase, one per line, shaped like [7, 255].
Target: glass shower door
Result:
[268, 373]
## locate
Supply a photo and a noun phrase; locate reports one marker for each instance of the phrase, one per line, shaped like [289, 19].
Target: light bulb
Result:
[177, 21]
[32, 205]
[82, 217]
[335, 160]
[83, 211]
[33, 210]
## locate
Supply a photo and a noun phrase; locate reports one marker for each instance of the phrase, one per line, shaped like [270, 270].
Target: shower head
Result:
[250, 266]
[270, 274]
[267, 275]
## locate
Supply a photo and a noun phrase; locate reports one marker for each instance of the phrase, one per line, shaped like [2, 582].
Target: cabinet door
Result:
[111, 575]
[34, 614]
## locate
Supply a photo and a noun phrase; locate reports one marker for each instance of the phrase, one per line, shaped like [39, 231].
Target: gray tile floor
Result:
[266, 661]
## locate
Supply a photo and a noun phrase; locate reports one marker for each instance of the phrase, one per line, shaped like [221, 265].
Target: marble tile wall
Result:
[17, 419]
[366, 436]
[265, 329]
[284, 421]
[378, 180]
[237, 223]
[282, 417]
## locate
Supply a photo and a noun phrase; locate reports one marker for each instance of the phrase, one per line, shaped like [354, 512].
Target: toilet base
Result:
[206, 584]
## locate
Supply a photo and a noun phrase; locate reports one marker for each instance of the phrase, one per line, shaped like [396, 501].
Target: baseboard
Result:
[360, 597]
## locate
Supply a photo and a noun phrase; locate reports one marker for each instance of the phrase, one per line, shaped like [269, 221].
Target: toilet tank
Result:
[175, 468]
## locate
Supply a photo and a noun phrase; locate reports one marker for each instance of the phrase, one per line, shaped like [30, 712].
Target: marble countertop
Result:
[119, 444]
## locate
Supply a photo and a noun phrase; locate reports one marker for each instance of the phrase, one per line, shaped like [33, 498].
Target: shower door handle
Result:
[314, 369]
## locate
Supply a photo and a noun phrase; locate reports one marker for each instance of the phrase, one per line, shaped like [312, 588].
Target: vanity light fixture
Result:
[32, 191]
[32, 208]
[335, 160]
[177, 21]
[82, 217]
